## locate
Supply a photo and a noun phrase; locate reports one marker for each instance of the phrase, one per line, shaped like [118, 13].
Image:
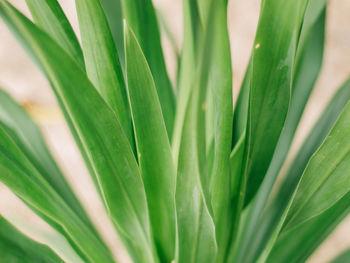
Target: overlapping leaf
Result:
[141, 17]
[327, 175]
[15, 247]
[102, 63]
[309, 60]
[299, 243]
[270, 84]
[187, 66]
[100, 131]
[24, 180]
[49, 15]
[153, 147]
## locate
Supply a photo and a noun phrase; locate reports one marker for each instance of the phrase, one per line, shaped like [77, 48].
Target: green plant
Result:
[187, 179]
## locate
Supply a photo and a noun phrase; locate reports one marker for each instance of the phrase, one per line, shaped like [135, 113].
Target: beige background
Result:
[21, 78]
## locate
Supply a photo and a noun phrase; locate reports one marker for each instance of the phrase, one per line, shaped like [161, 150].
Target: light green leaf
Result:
[153, 147]
[220, 89]
[270, 85]
[15, 247]
[196, 232]
[327, 175]
[298, 244]
[141, 17]
[102, 63]
[27, 136]
[260, 227]
[187, 67]
[100, 132]
[344, 257]
[24, 180]
[49, 15]
[271, 221]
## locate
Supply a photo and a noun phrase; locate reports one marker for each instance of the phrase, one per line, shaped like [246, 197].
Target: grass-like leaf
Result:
[153, 147]
[49, 15]
[101, 134]
[141, 17]
[270, 84]
[102, 63]
[15, 247]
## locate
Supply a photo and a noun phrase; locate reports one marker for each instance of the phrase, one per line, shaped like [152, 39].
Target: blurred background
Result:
[20, 77]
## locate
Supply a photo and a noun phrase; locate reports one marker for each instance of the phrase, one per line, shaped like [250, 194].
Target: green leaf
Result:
[272, 219]
[196, 231]
[141, 17]
[100, 132]
[114, 15]
[187, 66]
[326, 178]
[270, 85]
[240, 114]
[49, 15]
[102, 63]
[24, 180]
[259, 228]
[343, 257]
[15, 247]
[299, 243]
[153, 147]
[27, 136]
[220, 89]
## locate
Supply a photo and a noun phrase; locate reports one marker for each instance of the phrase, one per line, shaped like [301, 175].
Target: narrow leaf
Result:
[15, 247]
[23, 179]
[196, 232]
[326, 178]
[27, 136]
[141, 17]
[49, 15]
[298, 244]
[153, 147]
[260, 227]
[102, 63]
[101, 134]
[343, 257]
[270, 85]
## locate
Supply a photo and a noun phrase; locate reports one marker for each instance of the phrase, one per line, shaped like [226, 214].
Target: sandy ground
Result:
[21, 78]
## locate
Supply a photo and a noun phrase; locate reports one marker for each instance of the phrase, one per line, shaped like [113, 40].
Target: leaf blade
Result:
[154, 152]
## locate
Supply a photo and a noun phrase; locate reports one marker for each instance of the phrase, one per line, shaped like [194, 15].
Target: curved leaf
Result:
[343, 257]
[102, 63]
[15, 247]
[23, 179]
[49, 15]
[327, 175]
[270, 84]
[153, 147]
[27, 136]
[141, 17]
[298, 244]
[260, 227]
[100, 132]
